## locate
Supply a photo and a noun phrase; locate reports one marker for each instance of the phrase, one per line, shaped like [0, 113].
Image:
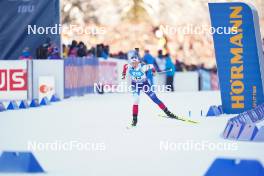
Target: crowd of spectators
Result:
[49, 50]
[76, 49]
[180, 66]
[163, 62]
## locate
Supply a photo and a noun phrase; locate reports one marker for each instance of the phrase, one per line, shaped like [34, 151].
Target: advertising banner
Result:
[13, 80]
[28, 24]
[48, 68]
[46, 87]
[239, 55]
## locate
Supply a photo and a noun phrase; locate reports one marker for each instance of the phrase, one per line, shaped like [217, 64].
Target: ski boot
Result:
[170, 114]
[134, 121]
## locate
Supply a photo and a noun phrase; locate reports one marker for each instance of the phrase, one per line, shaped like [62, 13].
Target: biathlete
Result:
[137, 73]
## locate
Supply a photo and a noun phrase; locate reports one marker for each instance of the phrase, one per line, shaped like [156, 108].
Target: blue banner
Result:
[28, 24]
[238, 54]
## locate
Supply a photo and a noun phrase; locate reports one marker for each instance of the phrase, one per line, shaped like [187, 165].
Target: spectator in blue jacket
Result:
[170, 68]
[25, 54]
[149, 59]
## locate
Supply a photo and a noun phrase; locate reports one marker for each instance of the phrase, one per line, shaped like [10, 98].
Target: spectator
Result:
[104, 55]
[42, 51]
[90, 53]
[64, 51]
[121, 55]
[99, 50]
[55, 54]
[73, 49]
[149, 59]
[170, 68]
[82, 50]
[161, 62]
[25, 54]
[93, 51]
[138, 52]
[105, 52]
[178, 64]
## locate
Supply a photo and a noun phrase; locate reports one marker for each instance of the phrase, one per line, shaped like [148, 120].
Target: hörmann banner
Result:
[239, 55]
[28, 24]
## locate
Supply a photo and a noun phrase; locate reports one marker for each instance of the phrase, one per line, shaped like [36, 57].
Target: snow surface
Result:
[103, 119]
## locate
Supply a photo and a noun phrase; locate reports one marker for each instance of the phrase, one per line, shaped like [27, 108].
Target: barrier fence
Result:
[108, 73]
[208, 80]
[32, 79]
[80, 74]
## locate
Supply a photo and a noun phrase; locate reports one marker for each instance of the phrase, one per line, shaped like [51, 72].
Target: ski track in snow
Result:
[138, 151]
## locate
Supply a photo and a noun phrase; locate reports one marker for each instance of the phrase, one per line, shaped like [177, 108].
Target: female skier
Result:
[137, 73]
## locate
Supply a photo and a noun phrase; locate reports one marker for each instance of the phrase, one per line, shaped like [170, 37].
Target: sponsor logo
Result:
[13, 80]
[26, 9]
[45, 89]
[237, 68]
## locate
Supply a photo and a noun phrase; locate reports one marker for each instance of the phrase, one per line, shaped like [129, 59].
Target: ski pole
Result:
[165, 71]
